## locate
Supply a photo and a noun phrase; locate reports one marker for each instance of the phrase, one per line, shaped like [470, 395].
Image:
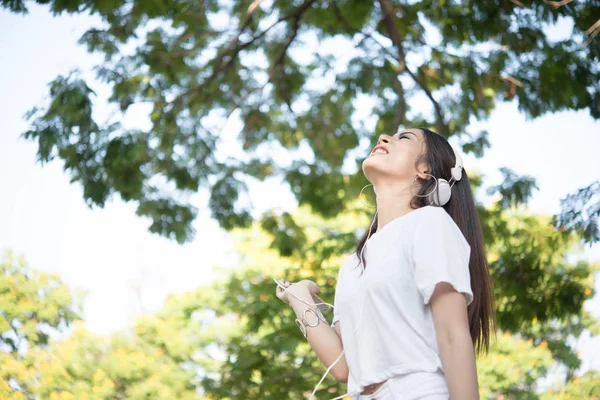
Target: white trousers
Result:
[415, 386]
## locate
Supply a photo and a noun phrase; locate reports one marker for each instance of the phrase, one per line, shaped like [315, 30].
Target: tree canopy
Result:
[309, 114]
[194, 64]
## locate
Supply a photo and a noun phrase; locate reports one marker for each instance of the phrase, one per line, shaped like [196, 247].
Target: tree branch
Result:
[592, 31]
[388, 16]
[297, 15]
[397, 84]
[557, 4]
[235, 49]
[350, 28]
[401, 101]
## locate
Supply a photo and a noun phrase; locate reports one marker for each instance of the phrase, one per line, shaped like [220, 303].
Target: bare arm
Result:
[325, 340]
[454, 341]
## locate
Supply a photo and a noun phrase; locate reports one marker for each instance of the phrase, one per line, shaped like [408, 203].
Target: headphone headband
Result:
[459, 161]
[458, 167]
[443, 190]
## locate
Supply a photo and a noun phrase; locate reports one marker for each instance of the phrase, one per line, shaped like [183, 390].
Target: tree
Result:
[585, 387]
[118, 366]
[512, 368]
[34, 306]
[251, 348]
[195, 63]
[42, 359]
[234, 339]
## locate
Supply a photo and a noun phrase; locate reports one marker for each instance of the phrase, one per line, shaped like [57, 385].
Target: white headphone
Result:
[443, 191]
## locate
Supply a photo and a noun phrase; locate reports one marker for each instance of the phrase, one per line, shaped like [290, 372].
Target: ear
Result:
[423, 174]
[423, 170]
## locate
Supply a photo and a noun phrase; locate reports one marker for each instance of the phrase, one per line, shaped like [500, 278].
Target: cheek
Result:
[403, 163]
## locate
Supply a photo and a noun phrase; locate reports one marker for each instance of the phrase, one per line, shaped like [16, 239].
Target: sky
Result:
[124, 269]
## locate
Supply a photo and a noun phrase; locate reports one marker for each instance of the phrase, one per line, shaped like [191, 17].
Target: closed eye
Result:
[404, 135]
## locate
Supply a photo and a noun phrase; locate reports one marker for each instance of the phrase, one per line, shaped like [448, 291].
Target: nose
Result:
[384, 139]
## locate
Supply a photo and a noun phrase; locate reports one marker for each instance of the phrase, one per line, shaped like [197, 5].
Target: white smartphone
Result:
[316, 299]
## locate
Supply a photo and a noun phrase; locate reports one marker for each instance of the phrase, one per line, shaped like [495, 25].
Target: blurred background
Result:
[161, 161]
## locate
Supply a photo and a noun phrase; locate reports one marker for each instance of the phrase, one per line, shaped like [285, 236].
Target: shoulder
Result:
[432, 210]
[434, 221]
[432, 214]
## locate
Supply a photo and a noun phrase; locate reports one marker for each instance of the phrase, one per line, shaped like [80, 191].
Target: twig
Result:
[388, 16]
[557, 4]
[236, 49]
[593, 27]
[254, 6]
[401, 102]
[592, 31]
[366, 35]
[397, 84]
[296, 25]
[512, 80]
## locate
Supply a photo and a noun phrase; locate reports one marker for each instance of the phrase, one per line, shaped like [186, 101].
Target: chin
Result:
[376, 169]
[371, 167]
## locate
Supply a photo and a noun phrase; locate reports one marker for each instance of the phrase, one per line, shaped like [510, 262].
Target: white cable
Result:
[360, 260]
[326, 372]
[337, 359]
[280, 284]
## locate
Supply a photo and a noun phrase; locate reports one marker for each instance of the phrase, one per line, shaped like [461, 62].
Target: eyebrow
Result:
[405, 133]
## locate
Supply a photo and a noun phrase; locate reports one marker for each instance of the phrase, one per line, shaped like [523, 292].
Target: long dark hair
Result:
[440, 158]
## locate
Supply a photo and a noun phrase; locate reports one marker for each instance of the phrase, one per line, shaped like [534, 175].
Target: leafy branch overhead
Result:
[194, 64]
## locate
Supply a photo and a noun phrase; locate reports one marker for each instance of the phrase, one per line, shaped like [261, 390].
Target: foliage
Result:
[252, 349]
[581, 212]
[512, 367]
[540, 295]
[193, 63]
[115, 367]
[34, 306]
[584, 387]
[196, 64]
[234, 339]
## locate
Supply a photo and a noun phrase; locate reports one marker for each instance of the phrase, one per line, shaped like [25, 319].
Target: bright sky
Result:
[109, 253]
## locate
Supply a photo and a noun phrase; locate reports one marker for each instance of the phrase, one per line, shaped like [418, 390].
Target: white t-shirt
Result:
[405, 260]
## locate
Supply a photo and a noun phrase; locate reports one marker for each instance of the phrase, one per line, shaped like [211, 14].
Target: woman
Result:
[415, 303]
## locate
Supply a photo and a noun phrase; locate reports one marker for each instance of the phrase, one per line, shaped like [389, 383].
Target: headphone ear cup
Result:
[456, 173]
[442, 194]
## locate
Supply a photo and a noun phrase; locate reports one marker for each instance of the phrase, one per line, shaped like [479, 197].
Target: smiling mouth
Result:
[379, 150]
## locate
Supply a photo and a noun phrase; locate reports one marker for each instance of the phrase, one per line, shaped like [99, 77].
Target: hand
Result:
[303, 289]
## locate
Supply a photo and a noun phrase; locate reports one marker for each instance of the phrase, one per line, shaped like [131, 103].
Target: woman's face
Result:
[394, 157]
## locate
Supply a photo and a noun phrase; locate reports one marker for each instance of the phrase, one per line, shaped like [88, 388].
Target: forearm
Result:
[458, 359]
[323, 339]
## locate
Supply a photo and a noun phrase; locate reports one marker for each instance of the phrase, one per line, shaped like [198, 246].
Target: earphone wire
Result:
[329, 305]
[337, 359]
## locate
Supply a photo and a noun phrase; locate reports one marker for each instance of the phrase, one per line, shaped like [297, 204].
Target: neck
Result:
[392, 202]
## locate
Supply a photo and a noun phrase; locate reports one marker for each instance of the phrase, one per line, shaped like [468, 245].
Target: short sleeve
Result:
[440, 254]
